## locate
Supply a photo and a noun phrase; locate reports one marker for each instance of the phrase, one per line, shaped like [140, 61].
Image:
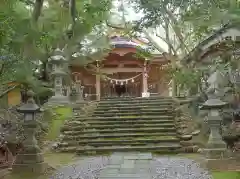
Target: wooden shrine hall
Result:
[123, 73]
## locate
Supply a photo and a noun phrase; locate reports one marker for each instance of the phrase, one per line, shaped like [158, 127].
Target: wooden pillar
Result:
[144, 79]
[98, 83]
[98, 87]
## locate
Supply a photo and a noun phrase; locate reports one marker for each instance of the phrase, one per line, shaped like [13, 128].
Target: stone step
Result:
[155, 108]
[171, 147]
[166, 148]
[121, 121]
[137, 101]
[130, 118]
[143, 109]
[136, 113]
[136, 104]
[144, 129]
[133, 107]
[134, 99]
[119, 126]
[148, 98]
[123, 124]
[75, 135]
[110, 142]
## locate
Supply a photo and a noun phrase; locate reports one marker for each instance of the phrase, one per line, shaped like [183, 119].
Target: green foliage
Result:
[190, 21]
[186, 78]
[226, 175]
[29, 32]
[143, 53]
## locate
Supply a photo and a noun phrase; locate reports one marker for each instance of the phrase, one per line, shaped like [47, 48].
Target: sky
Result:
[131, 15]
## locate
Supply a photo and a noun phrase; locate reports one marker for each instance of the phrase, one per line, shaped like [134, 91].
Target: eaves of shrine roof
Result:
[126, 42]
[230, 29]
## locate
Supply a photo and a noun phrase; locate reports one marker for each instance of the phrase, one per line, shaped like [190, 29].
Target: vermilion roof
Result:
[125, 42]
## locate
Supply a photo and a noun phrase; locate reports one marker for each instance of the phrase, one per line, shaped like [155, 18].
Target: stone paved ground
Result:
[133, 166]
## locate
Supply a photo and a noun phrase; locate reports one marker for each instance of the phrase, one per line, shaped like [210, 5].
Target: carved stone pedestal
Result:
[30, 159]
[36, 168]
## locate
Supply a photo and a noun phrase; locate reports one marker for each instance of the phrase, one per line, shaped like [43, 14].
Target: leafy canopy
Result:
[30, 30]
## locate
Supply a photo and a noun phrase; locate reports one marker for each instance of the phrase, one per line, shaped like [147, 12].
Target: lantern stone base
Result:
[29, 163]
[35, 168]
[217, 153]
[29, 158]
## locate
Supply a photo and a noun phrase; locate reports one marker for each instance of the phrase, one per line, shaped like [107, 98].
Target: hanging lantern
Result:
[132, 80]
[121, 83]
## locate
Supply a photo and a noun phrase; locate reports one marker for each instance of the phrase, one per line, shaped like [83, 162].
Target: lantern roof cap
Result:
[214, 103]
[30, 106]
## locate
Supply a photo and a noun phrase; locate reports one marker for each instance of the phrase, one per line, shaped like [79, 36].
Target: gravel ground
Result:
[178, 168]
[85, 169]
[161, 168]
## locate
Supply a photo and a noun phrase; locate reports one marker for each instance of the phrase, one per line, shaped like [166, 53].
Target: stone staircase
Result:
[123, 124]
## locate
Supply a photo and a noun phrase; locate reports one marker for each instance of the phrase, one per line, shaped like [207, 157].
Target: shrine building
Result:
[122, 70]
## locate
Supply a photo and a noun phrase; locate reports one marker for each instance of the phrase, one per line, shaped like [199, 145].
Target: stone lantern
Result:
[216, 147]
[30, 158]
[58, 74]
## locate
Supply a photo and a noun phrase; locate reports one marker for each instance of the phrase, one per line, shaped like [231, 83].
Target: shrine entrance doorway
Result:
[120, 89]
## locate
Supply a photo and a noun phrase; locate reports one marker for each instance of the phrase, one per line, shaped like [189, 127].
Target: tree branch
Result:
[168, 43]
[27, 2]
[154, 43]
[174, 23]
[2, 69]
[8, 90]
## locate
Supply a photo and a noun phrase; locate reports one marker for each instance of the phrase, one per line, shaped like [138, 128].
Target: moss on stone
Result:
[62, 114]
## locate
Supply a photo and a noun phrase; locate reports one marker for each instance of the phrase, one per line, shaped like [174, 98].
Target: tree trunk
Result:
[177, 30]
[37, 10]
[173, 61]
